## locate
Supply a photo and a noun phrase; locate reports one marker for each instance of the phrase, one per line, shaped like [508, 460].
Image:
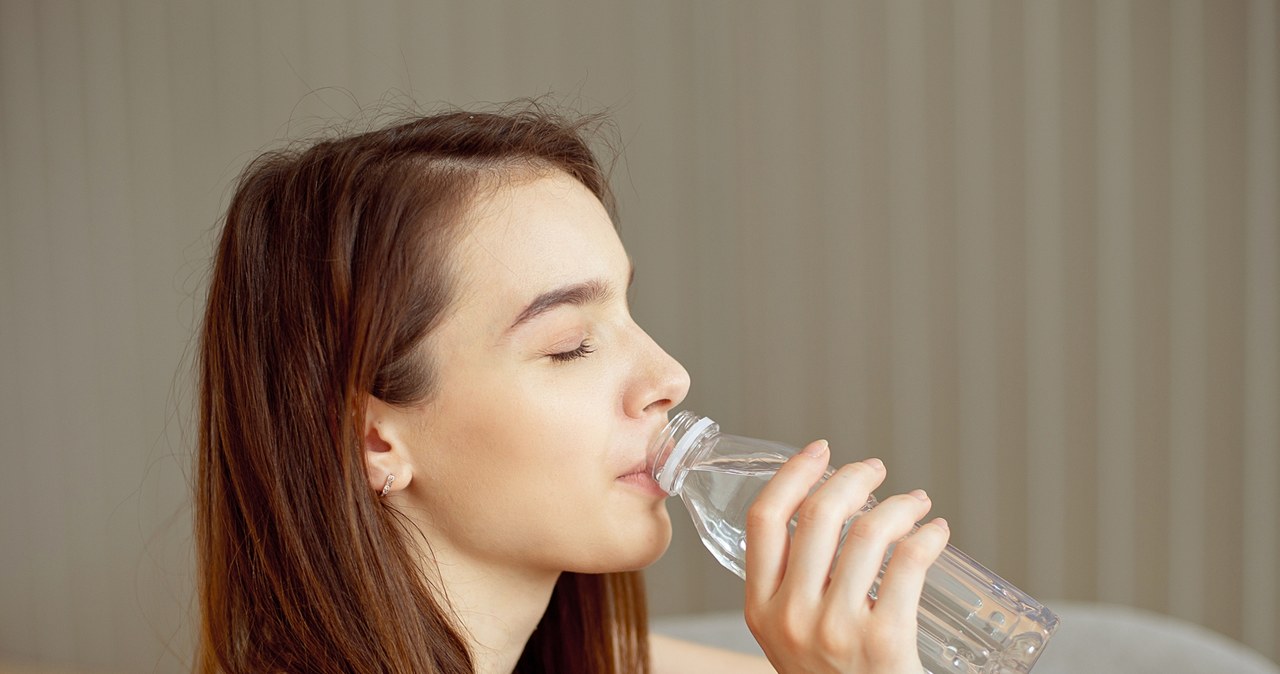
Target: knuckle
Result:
[781, 624]
[917, 551]
[884, 640]
[754, 618]
[867, 529]
[912, 553]
[819, 509]
[792, 634]
[763, 514]
[835, 639]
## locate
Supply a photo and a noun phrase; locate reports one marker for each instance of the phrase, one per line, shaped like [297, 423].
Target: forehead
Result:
[532, 234]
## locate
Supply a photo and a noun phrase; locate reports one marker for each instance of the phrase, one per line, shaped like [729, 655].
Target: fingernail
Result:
[874, 463]
[942, 523]
[919, 493]
[816, 448]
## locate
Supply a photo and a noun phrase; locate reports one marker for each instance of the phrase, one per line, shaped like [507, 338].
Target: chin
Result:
[642, 548]
[654, 549]
[651, 555]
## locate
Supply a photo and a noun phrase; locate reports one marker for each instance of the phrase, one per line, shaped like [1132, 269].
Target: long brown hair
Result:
[333, 265]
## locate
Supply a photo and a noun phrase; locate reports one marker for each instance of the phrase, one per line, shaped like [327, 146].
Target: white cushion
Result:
[1091, 639]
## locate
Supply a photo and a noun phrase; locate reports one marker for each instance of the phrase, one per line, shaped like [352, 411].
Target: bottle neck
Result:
[678, 446]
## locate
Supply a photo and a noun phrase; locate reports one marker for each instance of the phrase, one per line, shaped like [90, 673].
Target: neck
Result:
[498, 606]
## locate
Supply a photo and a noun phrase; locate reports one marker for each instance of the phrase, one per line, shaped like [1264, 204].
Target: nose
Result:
[660, 381]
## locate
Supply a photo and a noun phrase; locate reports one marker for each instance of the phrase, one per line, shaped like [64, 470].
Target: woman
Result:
[425, 412]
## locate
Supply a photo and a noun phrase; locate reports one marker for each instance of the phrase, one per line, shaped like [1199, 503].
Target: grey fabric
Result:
[1092, 639]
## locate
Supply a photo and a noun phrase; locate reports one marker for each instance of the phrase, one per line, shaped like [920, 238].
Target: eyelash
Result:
[584, 349]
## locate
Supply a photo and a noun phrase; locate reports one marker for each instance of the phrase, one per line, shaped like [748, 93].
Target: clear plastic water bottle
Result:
[971, 620]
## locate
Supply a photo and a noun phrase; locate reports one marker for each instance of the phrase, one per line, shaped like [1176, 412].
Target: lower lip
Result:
[643, 482]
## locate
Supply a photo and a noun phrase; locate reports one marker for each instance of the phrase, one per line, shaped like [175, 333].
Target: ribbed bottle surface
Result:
[971, 621]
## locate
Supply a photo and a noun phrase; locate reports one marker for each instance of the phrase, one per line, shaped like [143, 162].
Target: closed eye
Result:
[584, 349]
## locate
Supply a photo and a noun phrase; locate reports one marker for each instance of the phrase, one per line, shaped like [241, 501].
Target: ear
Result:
[386, 447]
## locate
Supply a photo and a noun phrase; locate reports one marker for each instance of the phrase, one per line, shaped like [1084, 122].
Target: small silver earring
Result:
[386, 488]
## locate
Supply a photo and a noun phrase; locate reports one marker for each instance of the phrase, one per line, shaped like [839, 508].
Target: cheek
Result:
[496, 452]
[519, 465]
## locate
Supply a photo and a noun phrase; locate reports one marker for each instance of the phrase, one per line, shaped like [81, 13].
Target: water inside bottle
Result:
[960, 633]
[719, 492]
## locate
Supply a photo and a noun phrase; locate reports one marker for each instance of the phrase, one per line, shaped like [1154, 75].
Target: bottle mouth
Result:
[671, 445]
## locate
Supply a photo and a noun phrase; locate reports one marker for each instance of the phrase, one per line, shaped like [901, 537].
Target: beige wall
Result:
[1027, 253]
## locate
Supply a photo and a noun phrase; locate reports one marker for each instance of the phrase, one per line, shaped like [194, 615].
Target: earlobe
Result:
[388, 462]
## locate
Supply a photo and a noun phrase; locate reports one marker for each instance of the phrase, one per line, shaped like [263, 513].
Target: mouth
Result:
[643, 481]
[640, 473]
[640, 467]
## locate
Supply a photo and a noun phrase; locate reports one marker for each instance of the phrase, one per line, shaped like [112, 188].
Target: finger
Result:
[867, 542]
[899, 595]
[767, 537]
[820, 520]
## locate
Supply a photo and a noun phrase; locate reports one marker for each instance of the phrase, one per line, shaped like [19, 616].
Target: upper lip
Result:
[645, 463]
[641, 466]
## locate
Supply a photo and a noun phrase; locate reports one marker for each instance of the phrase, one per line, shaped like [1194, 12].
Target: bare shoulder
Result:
[676, 656]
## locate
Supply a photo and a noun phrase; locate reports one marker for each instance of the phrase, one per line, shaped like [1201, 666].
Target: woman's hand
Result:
[812, 616]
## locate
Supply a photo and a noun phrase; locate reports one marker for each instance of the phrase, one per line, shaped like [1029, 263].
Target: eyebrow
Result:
[594, 291]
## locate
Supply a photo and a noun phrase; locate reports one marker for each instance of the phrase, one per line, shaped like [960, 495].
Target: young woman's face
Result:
[532, 451]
